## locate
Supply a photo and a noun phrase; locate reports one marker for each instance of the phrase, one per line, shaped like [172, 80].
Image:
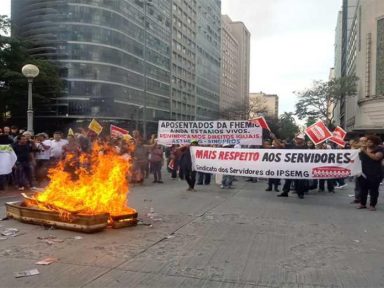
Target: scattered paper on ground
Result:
[47, 261]
[27, 273]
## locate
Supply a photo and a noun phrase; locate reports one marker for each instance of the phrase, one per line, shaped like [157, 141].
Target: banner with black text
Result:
[277, 163]
[209, 132]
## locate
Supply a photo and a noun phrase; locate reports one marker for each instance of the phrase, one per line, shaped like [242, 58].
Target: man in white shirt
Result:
[57, 147]
[42, 156]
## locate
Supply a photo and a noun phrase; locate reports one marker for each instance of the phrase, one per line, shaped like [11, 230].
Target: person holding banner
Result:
[272, 182]
[186, 165]
[330, 182]
[227, 181]
[371, 156]
[300, 184]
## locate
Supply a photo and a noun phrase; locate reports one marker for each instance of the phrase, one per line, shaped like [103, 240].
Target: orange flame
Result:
[92, 184]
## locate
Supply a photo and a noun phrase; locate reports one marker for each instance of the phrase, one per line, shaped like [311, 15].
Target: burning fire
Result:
[91, 184]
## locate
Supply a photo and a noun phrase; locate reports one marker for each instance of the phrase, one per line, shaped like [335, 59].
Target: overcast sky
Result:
[292, 42]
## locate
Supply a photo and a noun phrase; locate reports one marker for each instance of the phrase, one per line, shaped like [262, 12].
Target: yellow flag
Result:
[70, 132]
[95, 127]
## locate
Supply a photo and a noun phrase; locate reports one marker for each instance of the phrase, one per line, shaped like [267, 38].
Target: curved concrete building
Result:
[114, 56]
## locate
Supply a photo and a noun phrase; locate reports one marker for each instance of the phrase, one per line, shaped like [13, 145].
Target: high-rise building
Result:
[208, 58]
[135, 61]
[362, 54]
[195, 59]
[114, 56]
[234, 90]
[262, 104]
[183, 60]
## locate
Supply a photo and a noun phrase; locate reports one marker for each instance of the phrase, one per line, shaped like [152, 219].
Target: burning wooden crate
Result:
[86, 193]
[80, 223]
[76, 222]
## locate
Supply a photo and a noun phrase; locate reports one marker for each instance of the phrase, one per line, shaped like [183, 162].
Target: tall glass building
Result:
[196, 52]
[116, 57]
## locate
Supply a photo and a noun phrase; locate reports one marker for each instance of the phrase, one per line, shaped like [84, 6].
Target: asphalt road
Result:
[244, 237]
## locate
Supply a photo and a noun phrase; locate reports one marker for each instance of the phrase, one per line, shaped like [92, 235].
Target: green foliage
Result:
[284, 127]
[13, 89]
[288, 127]
[320, 101]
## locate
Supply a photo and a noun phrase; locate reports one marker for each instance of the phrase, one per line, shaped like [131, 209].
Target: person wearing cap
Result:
[300, 184]
[186, 165]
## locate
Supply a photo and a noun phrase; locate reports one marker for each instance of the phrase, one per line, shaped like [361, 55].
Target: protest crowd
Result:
[36, 154]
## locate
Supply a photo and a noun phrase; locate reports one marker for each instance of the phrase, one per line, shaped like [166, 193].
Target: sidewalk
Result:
[242, 237]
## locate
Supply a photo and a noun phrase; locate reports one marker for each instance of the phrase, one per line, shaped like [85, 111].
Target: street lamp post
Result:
[146, 3]
[30, 72]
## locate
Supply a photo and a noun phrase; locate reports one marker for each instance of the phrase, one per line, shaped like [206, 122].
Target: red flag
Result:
[318, 132]
[117, 131]
[338, 141]
[338, 136]
[261, 122]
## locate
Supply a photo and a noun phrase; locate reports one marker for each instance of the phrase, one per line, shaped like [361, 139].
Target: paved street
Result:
[244, 237]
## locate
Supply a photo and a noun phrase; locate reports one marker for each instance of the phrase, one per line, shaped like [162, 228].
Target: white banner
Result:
[7, 159]
[209, 132]
[277, 163]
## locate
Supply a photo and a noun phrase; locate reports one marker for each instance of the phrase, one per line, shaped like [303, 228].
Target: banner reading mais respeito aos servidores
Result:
[277, 163]
[209, 132]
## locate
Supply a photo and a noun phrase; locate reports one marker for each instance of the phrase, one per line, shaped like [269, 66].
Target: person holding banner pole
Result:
[371, 156]
[272, 182]
[300, 184]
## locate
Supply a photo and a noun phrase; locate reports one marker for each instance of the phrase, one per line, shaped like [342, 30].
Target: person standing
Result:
[272, 182]
[300, 184]
[371, 156]
[227, 181]
[43, 146]
[4, 140]
[157, 161]
[23, 176]
[57, 145]
[357, 144]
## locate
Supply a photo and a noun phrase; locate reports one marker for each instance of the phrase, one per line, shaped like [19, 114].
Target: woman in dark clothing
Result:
[371, 156]
[186, 165]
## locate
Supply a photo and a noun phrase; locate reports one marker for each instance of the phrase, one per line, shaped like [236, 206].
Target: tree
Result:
[13, 85]
[320, 101]
[288, 127]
